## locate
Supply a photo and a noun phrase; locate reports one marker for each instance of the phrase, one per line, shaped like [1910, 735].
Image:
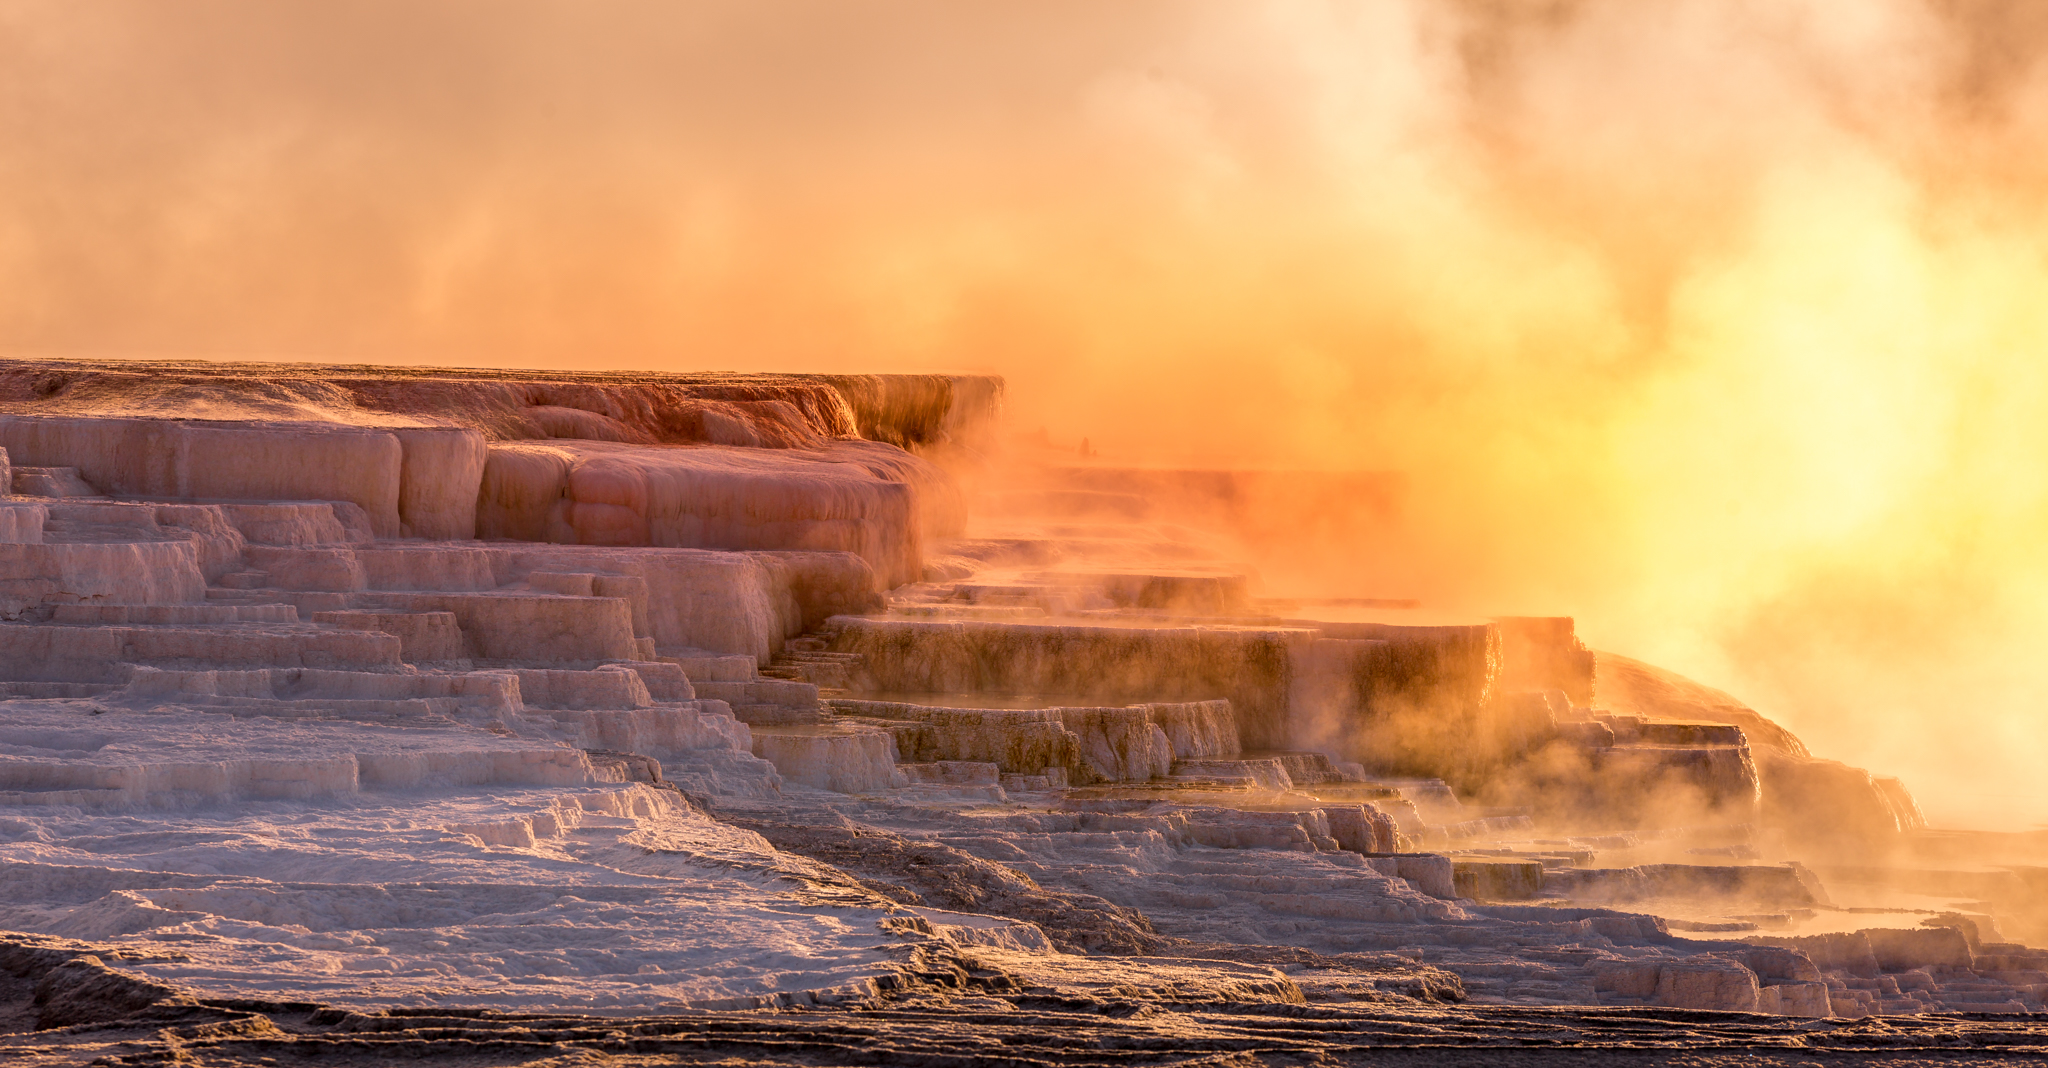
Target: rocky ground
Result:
[963, 1006]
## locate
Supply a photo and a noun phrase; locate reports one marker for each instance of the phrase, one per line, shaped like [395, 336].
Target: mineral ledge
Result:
[725, 716]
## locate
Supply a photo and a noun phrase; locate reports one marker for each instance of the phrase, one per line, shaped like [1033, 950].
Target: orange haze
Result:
[1720, 324]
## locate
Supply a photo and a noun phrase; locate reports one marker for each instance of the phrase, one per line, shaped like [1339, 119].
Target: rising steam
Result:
[1717, 323]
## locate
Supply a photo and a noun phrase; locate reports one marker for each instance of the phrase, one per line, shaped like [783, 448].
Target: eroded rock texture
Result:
[348, 713]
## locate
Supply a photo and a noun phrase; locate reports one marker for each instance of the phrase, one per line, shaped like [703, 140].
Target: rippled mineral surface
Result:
[352, 715]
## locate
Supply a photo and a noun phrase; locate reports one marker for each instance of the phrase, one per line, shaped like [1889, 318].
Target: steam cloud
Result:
[1716, 323]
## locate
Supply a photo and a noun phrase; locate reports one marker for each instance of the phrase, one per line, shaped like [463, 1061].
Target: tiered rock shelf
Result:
[609, 694]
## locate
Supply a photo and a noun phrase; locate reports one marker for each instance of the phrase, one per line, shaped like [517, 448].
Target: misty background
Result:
[1717, 324]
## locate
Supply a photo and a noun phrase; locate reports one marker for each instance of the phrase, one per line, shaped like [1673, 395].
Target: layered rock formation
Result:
[704, 461]
[334, 686]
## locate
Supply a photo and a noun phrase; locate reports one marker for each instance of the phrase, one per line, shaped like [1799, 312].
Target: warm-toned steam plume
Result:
[1717, 324]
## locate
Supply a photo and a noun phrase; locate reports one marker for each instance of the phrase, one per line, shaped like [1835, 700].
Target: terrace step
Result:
[56, 690]
[173, 613]
[65, 652]
[758, 715]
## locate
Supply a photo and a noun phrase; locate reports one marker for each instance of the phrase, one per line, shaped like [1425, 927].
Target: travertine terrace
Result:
[350, 705]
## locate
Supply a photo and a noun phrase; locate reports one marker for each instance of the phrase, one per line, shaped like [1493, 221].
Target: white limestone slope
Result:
[617, 899]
